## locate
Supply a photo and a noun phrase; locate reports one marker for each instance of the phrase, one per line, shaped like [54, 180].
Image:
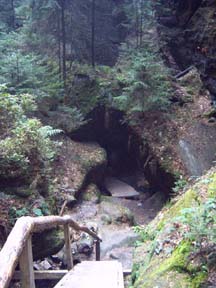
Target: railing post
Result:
[68, 247]
[97, 250]
[26, 266]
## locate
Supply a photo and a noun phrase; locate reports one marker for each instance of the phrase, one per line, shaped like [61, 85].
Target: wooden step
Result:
[94, 274]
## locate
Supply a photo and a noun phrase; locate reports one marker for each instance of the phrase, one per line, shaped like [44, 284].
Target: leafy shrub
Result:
[144, 233]
[147, 84]
[15, 213]
[75, 114]
[24, 142]
[180, 184]
[201, 223]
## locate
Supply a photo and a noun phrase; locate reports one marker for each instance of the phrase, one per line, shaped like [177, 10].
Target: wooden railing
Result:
[18, 248]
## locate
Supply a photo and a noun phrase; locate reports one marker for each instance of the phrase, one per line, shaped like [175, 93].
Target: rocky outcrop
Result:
[182, 140]
[177, 249]
[47, 243]
[191, 40]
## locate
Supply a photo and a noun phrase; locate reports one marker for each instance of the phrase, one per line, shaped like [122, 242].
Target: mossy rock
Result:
[186, 201]
[211, 113]
[170, 280]
[192, 83]
[93, 159]
[47, 243]
[173, 271]
[212, 186]
[92, 193]
[166, 260]
[115, 213]
[22, 192]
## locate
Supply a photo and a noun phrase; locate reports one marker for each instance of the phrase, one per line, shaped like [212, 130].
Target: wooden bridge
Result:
[18, 249]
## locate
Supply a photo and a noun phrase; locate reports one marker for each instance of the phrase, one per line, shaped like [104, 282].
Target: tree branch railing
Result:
[18, 247]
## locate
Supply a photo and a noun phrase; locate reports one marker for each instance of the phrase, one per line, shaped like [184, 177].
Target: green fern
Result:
[48, 131]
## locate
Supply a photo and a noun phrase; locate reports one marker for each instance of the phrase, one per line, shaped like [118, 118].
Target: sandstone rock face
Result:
[198, 156]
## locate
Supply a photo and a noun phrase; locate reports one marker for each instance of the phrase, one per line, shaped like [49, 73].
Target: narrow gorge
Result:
[108, 119]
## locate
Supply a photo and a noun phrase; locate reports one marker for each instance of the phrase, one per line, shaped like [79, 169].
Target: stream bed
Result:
[114, 218]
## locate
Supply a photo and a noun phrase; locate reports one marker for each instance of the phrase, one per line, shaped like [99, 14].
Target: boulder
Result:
[92, 194]
[47, 243]
[115, 213]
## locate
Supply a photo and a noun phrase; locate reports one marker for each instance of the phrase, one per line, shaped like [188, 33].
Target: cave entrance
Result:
[107, 128]
[129, 159]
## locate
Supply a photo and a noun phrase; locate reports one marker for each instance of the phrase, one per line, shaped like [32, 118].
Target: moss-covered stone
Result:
[212, 186]
[23, 191]
[188, 199]
[92, 193]
[192, 85]
[168, 259]
[47, 243]
[115, 212]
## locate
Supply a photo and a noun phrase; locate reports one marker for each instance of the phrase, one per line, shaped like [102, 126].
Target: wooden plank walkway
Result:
[94, 274]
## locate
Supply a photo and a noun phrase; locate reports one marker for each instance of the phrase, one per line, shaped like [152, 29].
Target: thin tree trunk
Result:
[13, 14]
[59, 44]
[64, 72]
[141, 22]
[18, 70]
[93, 34]
[71, 37]
[136, 7]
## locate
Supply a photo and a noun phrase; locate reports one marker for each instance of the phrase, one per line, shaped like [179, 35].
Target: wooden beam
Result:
[11, 251]
[68, 247]
[97, 248]
[47, 222]
[44, 274]
[26, 266]
[17, 239]
[182, 73]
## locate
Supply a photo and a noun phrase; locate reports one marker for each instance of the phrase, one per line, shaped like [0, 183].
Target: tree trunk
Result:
[59, 44]
[13, 15]
[136, 7]
[93, 34]
[64, 72]
[71, 38]
[141, 22]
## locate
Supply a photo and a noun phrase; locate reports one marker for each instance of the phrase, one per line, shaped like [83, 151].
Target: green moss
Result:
[175, 270]
[135, 272]
[161, 270]
[199, 279]
[212, 186]
[178, 259]
[184, 202]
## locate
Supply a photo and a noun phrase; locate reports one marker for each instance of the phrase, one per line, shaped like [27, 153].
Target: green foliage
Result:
[26, 71]
[146, 83]
[201, 222]
[15, 213]
[24, 141]
[75, 115]
[180, 185]
[144, 233]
